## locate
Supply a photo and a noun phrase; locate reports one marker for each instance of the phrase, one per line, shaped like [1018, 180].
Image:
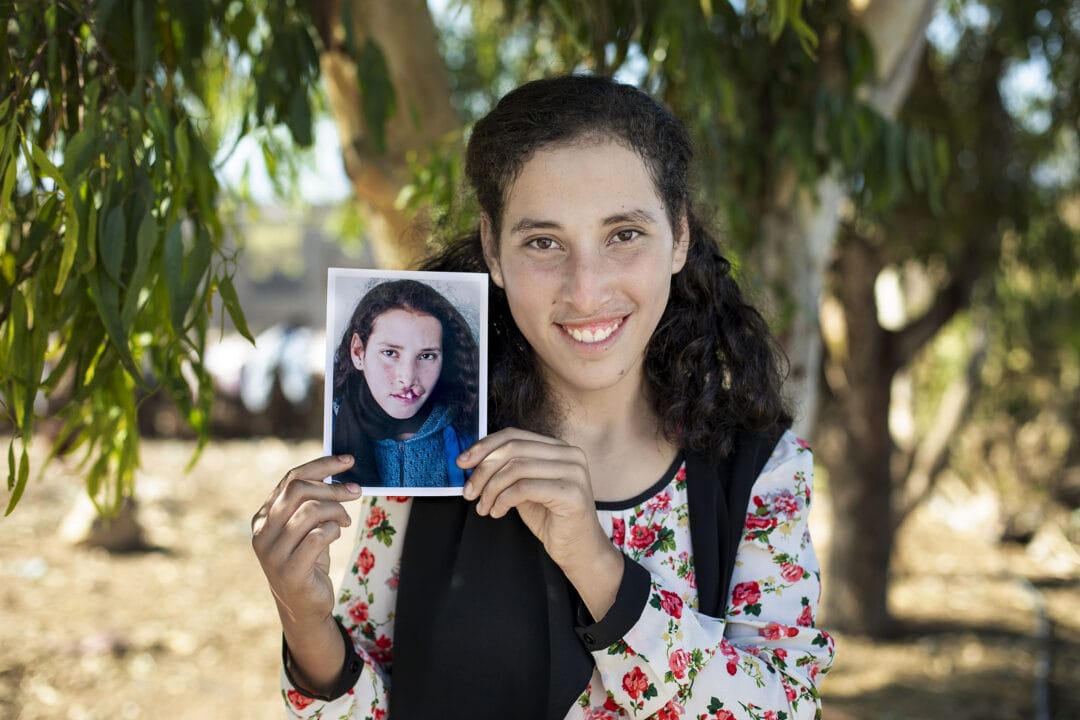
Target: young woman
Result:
[633, 540]
[405, 389]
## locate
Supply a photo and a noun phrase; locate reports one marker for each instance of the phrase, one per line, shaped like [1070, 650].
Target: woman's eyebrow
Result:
[526, 224]
[636, 215]
[395, 346]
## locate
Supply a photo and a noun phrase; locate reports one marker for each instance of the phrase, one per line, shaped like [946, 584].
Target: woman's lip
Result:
[408, 398]
[593, 332]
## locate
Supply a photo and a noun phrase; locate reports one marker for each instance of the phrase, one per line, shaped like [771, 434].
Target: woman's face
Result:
[585, 255]
[401, 360]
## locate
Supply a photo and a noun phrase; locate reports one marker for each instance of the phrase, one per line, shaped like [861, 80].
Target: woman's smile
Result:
[593, 333]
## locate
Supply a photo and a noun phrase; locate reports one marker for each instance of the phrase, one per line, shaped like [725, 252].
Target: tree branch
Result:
[956, 295]
[929, 458]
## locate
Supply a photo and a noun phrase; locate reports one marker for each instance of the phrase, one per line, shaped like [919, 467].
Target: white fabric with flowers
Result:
[761, 661]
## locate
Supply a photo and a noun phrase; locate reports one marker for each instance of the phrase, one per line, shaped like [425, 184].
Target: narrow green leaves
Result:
[377, 96]
[232, 306]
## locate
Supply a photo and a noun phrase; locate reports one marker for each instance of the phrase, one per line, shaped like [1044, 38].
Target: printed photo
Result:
[406, 377]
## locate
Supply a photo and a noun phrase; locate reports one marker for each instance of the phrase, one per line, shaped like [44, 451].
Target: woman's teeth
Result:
[594, 335]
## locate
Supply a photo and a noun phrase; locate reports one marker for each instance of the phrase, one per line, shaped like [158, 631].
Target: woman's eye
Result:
[626, 235]
[429, 356]
[389, 353]
[543, 243]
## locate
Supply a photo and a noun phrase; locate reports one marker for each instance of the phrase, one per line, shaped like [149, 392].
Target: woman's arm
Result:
[291, 536]
[765, 656]
[330, 666]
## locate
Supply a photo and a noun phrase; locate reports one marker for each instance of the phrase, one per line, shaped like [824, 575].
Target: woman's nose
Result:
[407, 374]
[588, 282]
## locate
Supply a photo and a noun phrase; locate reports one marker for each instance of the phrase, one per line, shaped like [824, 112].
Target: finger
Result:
[308, 516]
[299, 485]
[316, 469]
[321, 468]
[483, 447]
[516, 451]
[556, 472]
[313, 545]
[559, 496]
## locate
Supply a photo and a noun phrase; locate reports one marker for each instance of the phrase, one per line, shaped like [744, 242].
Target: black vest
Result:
[485, 621]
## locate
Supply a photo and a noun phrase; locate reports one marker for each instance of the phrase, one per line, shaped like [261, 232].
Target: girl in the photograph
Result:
[405, 389]
[633, 538]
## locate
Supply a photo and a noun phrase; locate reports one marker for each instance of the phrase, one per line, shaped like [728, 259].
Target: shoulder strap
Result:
[718, 494]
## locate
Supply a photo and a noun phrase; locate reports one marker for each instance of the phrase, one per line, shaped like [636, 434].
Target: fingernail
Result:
[464, 457]
[468, 490]
[352, 487]
[345, 458]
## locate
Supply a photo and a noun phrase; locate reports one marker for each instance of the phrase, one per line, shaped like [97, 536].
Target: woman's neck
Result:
[619, 431]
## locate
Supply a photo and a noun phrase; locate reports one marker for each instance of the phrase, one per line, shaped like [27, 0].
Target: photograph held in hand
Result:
[406, 377]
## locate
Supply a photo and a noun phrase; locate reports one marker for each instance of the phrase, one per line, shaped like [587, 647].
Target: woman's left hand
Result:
[547, 481]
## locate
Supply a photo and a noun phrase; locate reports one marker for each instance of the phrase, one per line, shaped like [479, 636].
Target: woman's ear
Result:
[356, 352]
[682, 244]
[490, 244]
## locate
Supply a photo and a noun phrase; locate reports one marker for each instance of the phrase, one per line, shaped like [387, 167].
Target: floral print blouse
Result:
[761, 661]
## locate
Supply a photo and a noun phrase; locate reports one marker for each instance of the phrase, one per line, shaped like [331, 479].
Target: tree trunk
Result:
[854, 443]
[405, 33]
[798, 242]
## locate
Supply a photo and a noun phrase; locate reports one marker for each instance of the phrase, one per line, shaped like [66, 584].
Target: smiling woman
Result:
[633, 538]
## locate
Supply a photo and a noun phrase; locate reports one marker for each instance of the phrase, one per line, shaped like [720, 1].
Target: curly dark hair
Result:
[711, 367]
[458, 382]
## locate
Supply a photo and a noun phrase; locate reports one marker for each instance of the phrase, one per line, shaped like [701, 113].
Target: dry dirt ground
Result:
[188, 629]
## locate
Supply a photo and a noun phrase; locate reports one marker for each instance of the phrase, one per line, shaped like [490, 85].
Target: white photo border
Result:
[345, 287]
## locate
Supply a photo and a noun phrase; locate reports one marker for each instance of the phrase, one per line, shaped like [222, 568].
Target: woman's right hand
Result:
[291, 535]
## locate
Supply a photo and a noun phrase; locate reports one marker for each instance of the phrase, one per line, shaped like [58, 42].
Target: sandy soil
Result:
[188, 629]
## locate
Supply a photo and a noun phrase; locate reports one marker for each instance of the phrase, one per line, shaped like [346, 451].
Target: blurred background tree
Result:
[917, 193]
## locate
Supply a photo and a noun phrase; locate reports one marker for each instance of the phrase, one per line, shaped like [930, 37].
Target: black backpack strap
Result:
[718, 494]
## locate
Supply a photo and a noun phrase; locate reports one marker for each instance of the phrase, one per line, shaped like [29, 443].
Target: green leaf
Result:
[142, 23]
[106, 296]
[183, 147]
[145, 244]
[232, 305]
[77, 156]
[377, 98]
[347, 23]
[111, 243]
[6, 187]
[46, 166]
[174, 276]
[11, 463]
[20, 482]
[299, 118]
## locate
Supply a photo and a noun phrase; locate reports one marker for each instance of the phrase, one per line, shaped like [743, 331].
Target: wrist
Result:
[597, 576]
[316, 654]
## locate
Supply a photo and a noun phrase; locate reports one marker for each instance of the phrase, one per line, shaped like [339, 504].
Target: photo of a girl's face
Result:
[401, 360]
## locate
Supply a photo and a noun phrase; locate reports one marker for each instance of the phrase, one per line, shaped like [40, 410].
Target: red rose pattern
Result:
[775, 631]
[297, 700]
[365, 561]
[671, 711]
[659, 676]
[791, 572]
[359, 612]
[678, 661]
[746, 593]
[376, 517]
[642, 537]
[618, 532]
[671, 603]
[635, 683]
